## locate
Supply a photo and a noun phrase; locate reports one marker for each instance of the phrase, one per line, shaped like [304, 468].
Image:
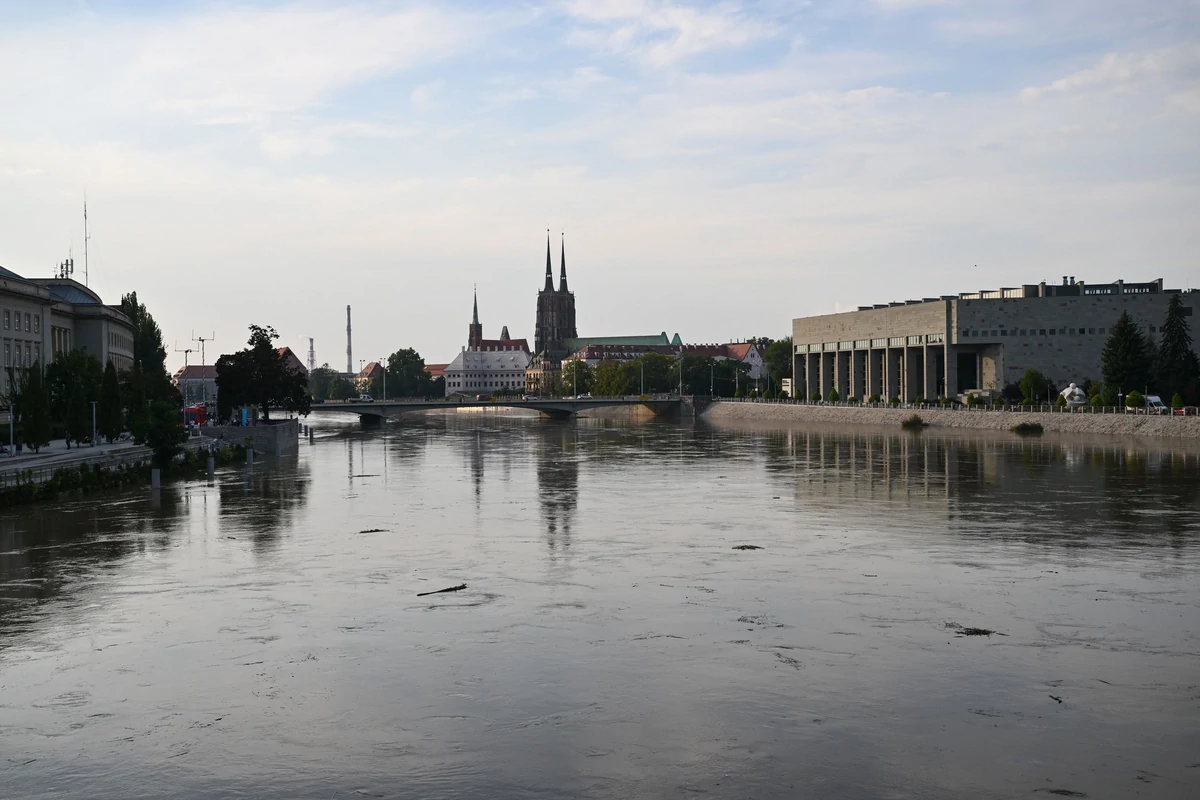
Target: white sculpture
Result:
[1074, 396]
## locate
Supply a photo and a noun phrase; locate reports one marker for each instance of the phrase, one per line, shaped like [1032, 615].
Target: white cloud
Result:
[1120, 71]
[422, 97]
[662, 33]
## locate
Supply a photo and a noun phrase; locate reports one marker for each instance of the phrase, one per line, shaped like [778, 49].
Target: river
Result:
[263, 637]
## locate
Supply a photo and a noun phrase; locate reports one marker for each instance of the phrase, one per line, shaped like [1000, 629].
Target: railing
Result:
[1189, 411]
[35, 473]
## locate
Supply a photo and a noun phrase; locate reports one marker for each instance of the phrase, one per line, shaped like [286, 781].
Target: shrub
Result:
[873, 398]
[1028, 428]
[738, 393]
[1061, 401]
[851, 399]
[913, 423]
[816, 397]
[972, 400]
[1097, 401]
[918, 401]
[895, 401]
[1177, 400]
[834, 396]
[1134, 399]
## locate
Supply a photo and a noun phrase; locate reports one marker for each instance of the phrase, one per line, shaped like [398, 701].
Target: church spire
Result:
[475, 308]
[562, 260]
[549, 271]
[475, 330]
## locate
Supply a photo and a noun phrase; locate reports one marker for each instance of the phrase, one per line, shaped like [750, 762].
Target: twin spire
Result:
[562, 259]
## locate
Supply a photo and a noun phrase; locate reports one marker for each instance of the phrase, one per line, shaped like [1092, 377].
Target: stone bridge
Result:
[550, 408]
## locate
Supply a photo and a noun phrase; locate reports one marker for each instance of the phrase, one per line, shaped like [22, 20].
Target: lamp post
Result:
[384, 383]
[643, 384]
[712, 371]
[93, 423]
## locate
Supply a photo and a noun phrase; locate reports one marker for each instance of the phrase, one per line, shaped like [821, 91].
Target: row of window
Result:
[117, 340]
[17, 356]
[484, 384]
[1038, 332]
[12, 321]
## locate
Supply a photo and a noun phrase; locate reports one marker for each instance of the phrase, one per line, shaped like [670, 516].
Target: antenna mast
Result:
[86, 236]
[183, 375]
[203, 378]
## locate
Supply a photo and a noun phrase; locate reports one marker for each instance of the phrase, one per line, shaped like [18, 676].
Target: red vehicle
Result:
[195, 415]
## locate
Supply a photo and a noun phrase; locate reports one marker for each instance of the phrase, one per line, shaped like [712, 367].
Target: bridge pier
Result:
[556, 414]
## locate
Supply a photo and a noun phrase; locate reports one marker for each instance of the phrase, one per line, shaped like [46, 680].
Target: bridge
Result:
[550, 408]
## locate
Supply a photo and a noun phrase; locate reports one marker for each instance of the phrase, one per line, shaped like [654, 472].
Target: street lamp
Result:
[384, 382]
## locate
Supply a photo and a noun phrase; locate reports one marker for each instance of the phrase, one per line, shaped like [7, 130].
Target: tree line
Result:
[59, 399]
[405, 377]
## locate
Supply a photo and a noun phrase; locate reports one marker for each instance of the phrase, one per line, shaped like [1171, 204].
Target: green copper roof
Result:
[581, 342]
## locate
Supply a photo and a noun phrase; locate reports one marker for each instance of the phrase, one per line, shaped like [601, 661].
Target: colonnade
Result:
[905, 371]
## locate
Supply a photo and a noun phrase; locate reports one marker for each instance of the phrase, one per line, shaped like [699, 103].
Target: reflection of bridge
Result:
[552, 408]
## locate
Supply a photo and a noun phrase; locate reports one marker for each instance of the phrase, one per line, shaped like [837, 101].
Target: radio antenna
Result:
[86, 236]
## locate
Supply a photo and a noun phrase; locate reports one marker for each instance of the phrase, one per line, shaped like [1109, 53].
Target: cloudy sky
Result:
[718, 168]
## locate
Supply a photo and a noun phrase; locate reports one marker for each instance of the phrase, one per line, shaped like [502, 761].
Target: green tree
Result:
[1177, 367]
[260, 376]
[1035, 386]
[834, 396]
[149, 353]
[36, 425]
[109, 412]
[1125, 360]
[341, 389]
[778, 359]
[697, 372]
[612, 378]
[160, 428]
[406, 375]
[319, 381]
[73, 380]
[1134, 399]
[651, 373]
[576, 378]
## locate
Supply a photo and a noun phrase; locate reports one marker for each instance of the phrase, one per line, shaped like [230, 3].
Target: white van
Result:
[1155, 405]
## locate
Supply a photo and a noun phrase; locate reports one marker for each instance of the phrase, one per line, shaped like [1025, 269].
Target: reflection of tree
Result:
[558, 485]
[45, 549]
[264, 501]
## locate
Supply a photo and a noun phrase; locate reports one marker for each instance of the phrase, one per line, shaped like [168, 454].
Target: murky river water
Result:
[262, 637]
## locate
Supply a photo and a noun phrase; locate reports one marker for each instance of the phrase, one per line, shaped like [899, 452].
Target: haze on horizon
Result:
[718, 168]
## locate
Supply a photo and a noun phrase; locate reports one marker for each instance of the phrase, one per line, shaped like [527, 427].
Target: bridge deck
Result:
[564, 406]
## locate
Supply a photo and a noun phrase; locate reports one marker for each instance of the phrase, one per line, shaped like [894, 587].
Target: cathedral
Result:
[554, 328]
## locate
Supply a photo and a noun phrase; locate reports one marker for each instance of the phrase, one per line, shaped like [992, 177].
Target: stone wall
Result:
[1113, 424]
[263, 437]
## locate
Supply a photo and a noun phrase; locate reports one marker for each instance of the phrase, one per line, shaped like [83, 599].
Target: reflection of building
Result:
[43, 317]
[558, 486]
[486, 366]
[975, 340]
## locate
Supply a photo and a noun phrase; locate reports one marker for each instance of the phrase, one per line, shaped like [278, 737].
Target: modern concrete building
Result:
[983, 340]
[43, 317]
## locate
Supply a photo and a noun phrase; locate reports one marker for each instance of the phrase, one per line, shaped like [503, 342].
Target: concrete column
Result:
[812, 375]
[842, 381]
[858, 378]
[951, 371]
[827, 375]
[931, 372]
[914, 373]
[894, 359]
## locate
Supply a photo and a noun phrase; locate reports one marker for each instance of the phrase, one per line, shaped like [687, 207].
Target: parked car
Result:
[1155, 405]
[366, 398]
[585, 396]
[529, 397]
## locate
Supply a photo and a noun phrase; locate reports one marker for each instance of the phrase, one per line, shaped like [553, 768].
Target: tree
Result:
[34, 408]
[1035, 385]
[1125, 360]
[576, 378]
[109, 413]
[1177, 367]
[320, 380]
[149, 353]
[341, 389]
[612, 378]
[73, 380]
[779, 359]
[651, 373]
[406, 375]
[159, 427]
[260, 376]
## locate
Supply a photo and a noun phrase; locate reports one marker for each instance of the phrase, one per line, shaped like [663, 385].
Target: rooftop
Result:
[1068, 288]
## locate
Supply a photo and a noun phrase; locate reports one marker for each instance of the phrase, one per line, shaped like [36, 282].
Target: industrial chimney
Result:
[349, 352]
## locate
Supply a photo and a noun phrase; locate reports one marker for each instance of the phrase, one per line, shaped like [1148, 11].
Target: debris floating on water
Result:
[1055, 697]
[959, 630]
[374, 530]
[746, 547]
[458, 588]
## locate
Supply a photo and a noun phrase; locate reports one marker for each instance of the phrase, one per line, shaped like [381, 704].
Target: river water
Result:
[262, 637]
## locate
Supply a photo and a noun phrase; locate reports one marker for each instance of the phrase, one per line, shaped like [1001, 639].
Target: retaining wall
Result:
[264, 436]
[1113, 424]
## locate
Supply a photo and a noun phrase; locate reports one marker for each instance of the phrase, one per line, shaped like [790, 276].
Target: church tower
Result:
[555, 311]
[475, 335]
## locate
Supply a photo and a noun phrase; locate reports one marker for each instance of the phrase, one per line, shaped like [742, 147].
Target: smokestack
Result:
[312, 356]
[349, 352]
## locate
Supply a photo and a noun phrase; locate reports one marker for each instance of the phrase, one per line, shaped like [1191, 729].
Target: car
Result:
[529, 397]
[366, 398]
[1155, 405]
[585, 396]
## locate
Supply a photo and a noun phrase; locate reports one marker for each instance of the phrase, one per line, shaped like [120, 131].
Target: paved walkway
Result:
[57, 455]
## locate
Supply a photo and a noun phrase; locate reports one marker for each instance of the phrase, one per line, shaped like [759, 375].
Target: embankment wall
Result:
[1111, 424]
[287, 432]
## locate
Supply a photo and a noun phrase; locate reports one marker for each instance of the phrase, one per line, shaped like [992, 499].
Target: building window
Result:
[28, 355]
[28, 323]
[7, 354]
[1102, 331]
[7, 321]
[1041, 331]
[37, 323]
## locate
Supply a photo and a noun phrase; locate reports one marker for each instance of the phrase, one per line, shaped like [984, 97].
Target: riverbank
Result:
[1106, 424]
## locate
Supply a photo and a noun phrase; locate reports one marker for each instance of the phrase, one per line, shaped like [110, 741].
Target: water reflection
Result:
[558, 487]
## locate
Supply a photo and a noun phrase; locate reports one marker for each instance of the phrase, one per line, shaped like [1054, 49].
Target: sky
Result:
[716, 168]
